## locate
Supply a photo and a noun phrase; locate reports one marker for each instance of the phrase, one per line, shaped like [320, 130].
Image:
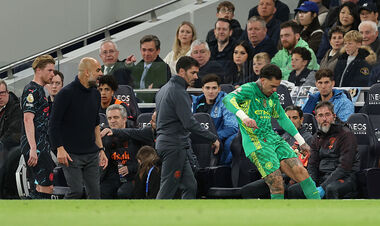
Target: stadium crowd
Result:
[105, 151]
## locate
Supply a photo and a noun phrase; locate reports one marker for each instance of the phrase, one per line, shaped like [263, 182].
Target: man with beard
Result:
[34, 141]
[290, 39]
[174, 122]
[325, 83]
[75, 132]
[223, 47]
[333, 160]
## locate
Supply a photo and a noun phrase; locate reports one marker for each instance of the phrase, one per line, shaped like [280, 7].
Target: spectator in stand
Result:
[259, 61]
[121, 146]
[200, 51]
[348, 19]
[334, 11]
[107, 87]
[109, 54]
[258, 38]
[295, 114]
[147, 182]
[266, 10]
[290, 39]
[330, 59]
[370, 34]
[10, 134]
[222, 48]
[334, 159]
[322, 9]
[225, 122]
[55, 86]
[301, 75]
[151, 71]
[311, 30]
[185, 35]
[282, 11]
[10, 118]
[355, 63]
[325, 83]
[226, 10]
[243, 65]
[369, 11]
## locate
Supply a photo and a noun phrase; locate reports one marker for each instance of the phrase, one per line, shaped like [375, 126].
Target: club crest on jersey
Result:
[269, 165]
[265, 103]
[270, 102]
[30, 98]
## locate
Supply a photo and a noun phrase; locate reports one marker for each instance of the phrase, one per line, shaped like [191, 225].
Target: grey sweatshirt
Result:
[175, 120]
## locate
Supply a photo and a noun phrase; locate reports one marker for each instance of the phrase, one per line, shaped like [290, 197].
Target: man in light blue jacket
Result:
[225, 121]
[343, 107]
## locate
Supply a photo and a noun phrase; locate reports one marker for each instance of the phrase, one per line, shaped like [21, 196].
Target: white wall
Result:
[203, 17]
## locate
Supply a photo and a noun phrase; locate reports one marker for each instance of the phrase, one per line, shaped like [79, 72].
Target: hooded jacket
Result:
[357, 72]
[343, 107]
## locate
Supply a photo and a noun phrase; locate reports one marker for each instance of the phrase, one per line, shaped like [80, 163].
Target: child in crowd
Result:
[301, 75]
[147, 181]
[259, 61]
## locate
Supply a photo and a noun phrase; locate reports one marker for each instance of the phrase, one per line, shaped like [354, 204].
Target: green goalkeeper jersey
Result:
[261, 108]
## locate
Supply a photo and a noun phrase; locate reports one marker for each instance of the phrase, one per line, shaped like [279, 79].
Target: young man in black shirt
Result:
[34, 141]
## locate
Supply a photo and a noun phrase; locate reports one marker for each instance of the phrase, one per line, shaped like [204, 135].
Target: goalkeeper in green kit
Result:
[255, 104]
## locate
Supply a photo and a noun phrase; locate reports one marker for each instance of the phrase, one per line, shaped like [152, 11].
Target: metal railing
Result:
[106, 30]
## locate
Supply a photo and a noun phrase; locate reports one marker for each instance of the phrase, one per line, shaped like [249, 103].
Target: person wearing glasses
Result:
[109, 54]
[75, 132]
[334, 159]
[226, 10]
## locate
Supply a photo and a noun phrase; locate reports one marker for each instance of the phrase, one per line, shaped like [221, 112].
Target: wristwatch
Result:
[102, 149]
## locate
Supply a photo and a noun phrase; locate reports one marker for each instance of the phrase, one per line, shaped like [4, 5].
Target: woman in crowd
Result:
[185, 35]
[311, 29]
[147, 181]
[241, 57]
[336, 41]
[348, 19]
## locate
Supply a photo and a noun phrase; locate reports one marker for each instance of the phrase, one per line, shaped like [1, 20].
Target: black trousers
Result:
[176, 173]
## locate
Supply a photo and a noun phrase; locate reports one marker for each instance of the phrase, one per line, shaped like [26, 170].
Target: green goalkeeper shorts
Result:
[267, 159]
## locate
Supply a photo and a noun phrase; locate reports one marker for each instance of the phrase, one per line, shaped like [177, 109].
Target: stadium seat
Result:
[209, 173]
[143, 119]
[310, 123]
[243, 171]
[369, 175]
[284, 96]
[125, 93]
[227, 88]
[103, 121]
[373, 102]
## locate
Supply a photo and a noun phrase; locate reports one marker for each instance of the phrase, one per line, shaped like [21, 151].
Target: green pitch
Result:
[194, 212]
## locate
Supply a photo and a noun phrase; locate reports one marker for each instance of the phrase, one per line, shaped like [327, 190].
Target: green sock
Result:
[277, 196]
[309, 189]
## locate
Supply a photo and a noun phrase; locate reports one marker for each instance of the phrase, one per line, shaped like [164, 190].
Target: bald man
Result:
[75, 133]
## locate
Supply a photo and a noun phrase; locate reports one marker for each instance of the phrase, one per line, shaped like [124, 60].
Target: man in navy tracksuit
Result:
[75, 132]
[174, 122]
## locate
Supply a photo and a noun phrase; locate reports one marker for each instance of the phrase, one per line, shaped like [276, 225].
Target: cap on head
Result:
[308, 7]
[371, 7]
